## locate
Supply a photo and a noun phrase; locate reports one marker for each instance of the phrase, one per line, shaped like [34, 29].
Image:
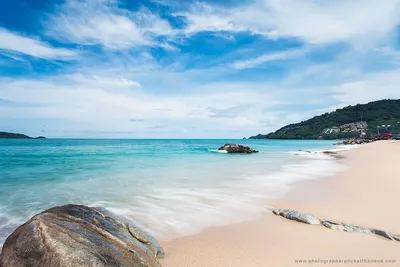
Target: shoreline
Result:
[291, 174]
[306, 155]
[354, 196]
[177, 177]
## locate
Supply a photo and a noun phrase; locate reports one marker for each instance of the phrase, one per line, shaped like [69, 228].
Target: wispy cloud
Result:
[384, 85]
[359, 23]
[91, 104]
[284, 55]
[11, 42]
[203, 17]
[102, 82]
[103, 23]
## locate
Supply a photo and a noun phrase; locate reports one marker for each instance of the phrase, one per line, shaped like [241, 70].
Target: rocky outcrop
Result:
[234, 148]
[356, 141]
[312, 219]
[74, 235]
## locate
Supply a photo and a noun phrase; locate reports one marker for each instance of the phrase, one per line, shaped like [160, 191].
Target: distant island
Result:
[348, 122]
[6, 135]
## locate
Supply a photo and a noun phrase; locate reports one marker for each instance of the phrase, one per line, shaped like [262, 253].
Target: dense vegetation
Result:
[5, 135]
[378, 113]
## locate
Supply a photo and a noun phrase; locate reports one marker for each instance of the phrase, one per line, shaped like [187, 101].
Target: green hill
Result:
[344, 123]
[6, 135]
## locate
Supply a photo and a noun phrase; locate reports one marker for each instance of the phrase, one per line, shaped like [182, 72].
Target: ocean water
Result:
[170, 187]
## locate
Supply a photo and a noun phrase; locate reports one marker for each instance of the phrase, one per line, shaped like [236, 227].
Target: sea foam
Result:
[174, 212]
[171, 187]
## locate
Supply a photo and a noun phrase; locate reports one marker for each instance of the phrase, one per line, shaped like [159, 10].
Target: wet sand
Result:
[366, 194]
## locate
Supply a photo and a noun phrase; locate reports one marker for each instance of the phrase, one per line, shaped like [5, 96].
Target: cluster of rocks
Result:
[356, 141]
[315, 220]
[234, 148]
[75, 235]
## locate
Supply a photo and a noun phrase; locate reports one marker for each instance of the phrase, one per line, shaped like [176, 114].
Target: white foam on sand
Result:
[318, 154]
[173, 212]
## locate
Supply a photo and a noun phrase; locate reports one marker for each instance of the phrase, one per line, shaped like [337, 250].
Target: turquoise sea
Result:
[170, 187]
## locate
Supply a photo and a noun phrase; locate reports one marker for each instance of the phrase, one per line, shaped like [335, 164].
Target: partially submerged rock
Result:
[312, 219]
[234, 148]
[74, 235]
[306, 151]
[333, 154]
[329, 152]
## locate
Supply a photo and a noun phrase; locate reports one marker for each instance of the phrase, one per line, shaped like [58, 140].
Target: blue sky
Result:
[190, 69]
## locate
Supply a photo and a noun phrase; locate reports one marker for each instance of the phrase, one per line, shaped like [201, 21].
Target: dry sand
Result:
[366, 194]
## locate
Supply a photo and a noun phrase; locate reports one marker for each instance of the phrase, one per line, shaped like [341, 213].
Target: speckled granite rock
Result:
[74, 235]
[298, 216]
[312, 219]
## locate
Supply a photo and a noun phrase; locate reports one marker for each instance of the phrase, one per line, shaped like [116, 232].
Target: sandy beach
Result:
[365, 194]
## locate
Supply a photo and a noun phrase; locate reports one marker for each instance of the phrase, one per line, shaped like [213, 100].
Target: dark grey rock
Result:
[306, 151]
[384, 234]
[74, 235]
[396, 237]
[234, 148]
[329, 152]
[298, 216]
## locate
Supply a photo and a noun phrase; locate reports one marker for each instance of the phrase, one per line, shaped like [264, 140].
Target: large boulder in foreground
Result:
[74, 235]
[234, 148]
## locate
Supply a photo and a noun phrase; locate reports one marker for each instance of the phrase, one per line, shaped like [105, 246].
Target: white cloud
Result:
[360, 23]
[284, 55]
[371, 87]
[202, 17]
[101, 22]
[95, 104]
[11, 42]
[356, 22]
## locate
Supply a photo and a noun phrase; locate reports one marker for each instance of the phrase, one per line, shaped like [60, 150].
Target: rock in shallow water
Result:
[329, 152]
[74, 235]
[234, 148]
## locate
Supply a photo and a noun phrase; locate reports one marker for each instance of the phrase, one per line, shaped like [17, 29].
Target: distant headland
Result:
[366, 120]
[6, 135]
